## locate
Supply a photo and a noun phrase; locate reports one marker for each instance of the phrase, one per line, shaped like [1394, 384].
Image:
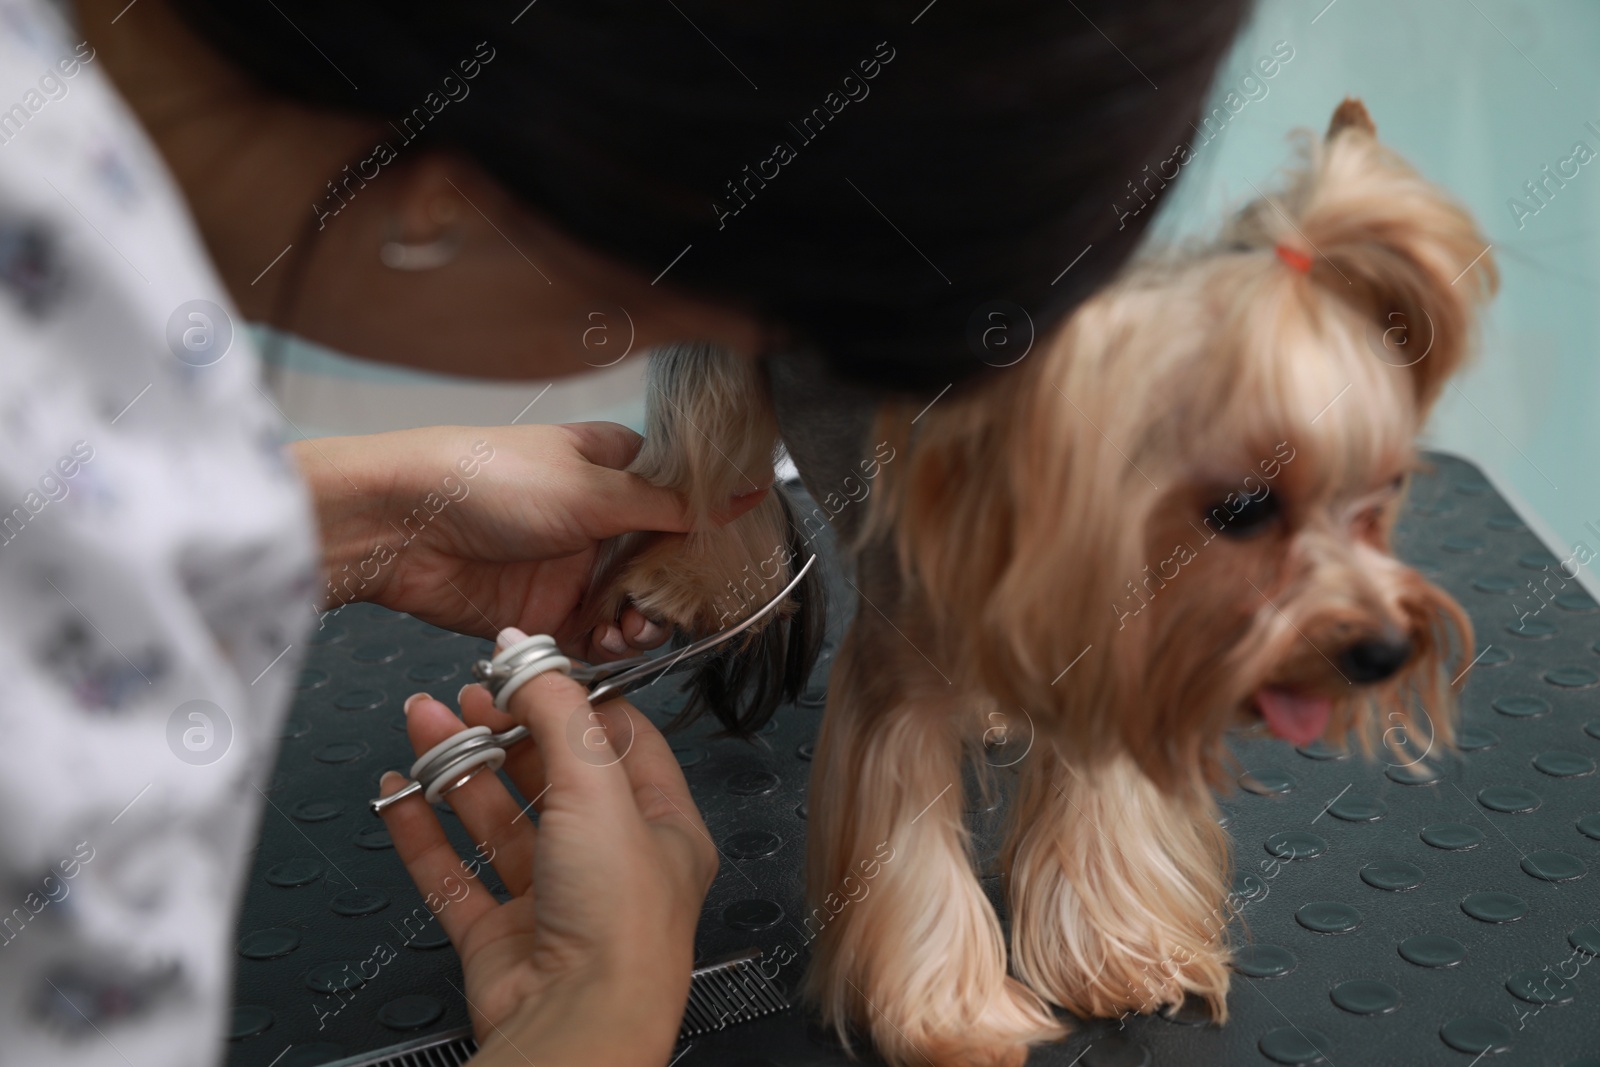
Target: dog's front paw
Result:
[959, 1030]
[1139, 983]
[1118, 893]
[680, 582]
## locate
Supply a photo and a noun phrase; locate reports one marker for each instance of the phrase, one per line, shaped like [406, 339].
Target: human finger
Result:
[609, 641]
[618, 502]
[661, 793]
[450, 891]
[483, 804]
[603, 644]
[740, 503]
[581, 746]
[523, 764]
[652, 770]
[641, 633]
[621, 502]
[608, 444]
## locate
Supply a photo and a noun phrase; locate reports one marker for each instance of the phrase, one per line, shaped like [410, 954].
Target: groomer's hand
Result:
[480, 528]
[589, 960]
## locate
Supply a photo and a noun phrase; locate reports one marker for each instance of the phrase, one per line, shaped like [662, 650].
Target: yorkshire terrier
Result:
[1170, 521]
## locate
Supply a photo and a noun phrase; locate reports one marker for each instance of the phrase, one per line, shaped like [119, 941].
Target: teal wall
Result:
[1479, 95]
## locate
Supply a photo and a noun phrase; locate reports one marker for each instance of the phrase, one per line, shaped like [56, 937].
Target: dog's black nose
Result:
[1374, 659]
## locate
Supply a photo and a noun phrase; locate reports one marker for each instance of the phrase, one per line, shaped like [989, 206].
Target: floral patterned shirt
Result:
[156, 582]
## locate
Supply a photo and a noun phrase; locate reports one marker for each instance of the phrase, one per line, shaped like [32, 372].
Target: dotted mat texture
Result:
[1439, 917]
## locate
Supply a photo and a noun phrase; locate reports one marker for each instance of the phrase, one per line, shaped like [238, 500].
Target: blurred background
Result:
[1480, 95]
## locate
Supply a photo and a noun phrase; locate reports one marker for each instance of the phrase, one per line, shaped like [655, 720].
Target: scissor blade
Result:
[595, 673]
[690, 655]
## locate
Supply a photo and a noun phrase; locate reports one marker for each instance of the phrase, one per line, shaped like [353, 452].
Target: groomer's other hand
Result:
[480, 528]
[589, 960]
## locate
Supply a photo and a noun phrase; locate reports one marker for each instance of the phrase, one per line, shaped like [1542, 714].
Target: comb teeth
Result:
[721, 995]
[724, 994]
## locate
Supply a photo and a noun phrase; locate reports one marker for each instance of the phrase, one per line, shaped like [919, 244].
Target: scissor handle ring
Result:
[516, 666]
[430, 763]
[459, 772]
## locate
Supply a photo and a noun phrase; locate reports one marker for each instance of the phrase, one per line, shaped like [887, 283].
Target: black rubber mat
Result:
[1425, 919]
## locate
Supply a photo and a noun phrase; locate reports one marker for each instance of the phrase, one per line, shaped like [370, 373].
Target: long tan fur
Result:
[1056, 544]
[1035, 532]
[710, 434]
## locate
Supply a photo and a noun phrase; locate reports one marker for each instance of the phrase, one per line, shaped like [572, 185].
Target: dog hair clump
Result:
[710, 434]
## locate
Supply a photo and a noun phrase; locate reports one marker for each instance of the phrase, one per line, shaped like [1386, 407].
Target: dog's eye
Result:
[1247, 516]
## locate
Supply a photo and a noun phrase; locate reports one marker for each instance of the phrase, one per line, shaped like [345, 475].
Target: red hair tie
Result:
[1294, 258]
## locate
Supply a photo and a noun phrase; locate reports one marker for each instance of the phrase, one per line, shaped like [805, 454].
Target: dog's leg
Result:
[1117, 890]
[711, 434]
[907, 948]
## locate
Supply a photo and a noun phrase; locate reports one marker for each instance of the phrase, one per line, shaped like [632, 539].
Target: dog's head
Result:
[1175, 518]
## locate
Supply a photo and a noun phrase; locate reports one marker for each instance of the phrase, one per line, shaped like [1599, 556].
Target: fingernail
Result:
[510, 636]
[384, 781]
[650, 634]
[462, 695]
[612, 641]
[411, 701]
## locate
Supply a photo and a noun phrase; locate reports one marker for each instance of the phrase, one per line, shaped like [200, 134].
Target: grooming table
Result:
[1410, 926]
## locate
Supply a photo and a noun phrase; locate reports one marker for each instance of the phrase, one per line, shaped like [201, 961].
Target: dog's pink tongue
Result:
[1297, 719]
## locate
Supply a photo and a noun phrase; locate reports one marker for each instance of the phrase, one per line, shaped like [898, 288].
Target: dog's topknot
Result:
[1351, 112]
[1385, 240]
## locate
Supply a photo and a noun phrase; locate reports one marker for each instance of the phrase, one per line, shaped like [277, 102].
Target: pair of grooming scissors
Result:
[459, 758]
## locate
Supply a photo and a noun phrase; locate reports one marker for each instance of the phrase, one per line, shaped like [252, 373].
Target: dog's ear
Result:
[946, 506]
[1018, 525]
[1385, 240]
[1351, 112]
